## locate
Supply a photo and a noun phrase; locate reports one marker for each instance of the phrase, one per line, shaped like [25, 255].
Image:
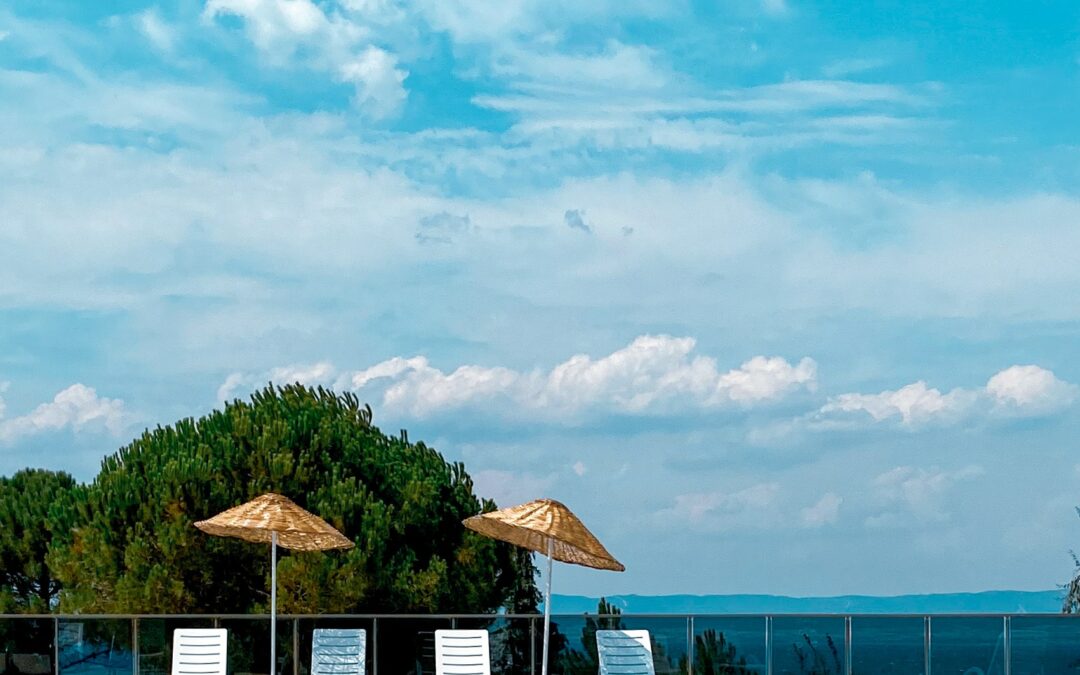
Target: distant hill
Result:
[990, 602]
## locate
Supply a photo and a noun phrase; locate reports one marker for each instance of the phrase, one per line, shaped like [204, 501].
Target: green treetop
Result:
[34, 507]
[135, 548]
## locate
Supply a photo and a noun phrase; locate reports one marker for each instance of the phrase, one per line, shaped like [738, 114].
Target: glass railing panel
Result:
[26, 646]
[573, 642]
[509, 641]
[95, 647]
[155, 642]
[668, 637]
[882, 645]
[569, 649]
[729, 645]
[407, 645]
[305, 629]
[1042, 645]
[249, 645]
[967, 645]
[803, 645]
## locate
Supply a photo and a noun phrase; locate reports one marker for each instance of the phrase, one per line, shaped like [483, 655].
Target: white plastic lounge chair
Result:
[199, 651]
[624, 652]
[462, 652]
[338, 651]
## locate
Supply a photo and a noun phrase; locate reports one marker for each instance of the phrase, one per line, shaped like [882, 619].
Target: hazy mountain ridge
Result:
[989, 602]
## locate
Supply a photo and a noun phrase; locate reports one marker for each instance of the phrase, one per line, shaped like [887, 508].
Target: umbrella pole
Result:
[547, 608]
[273, 603]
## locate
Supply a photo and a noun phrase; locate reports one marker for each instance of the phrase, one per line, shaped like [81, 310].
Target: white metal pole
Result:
[273, 603]
[547, 609]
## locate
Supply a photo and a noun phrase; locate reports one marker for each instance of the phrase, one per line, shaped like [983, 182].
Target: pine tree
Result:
[35, 506]
[135, 548]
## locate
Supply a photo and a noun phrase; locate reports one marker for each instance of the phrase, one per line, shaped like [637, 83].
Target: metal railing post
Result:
[928, 643]
[135, 646]
[532, 645]
[296, 646]
[375, 645]
[690, 645]
[768, 645]
[1006, 634]
[847, 645]
[56, 645]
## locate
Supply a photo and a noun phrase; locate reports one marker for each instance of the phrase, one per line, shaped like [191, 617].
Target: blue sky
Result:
[780, 296]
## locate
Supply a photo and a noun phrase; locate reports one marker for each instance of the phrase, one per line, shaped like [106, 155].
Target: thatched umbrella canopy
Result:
[548, 527]
[272, 514]
[276, 520]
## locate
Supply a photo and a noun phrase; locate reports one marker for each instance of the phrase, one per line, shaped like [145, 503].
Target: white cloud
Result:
[498, 24]
[722, 511]
[654, 374]
[579, 468]
[282, 29]
[78, 407]
[616, 94]
[274, 24]
[909, 494]
[617, 67]
[1030, 389]
[913, 404]
[824, 512]
[1015, 391]
[154, 29]
[662, 115]
[379, 82]
[232, 384]
[315, 373]
[389, 369]
[312, 374]
[764, 378]
[427, 390]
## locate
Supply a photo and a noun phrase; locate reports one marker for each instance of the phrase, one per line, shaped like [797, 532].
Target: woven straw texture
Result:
[297, 529]
[532, 525]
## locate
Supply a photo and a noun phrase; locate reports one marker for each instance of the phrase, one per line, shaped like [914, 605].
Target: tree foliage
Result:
[1071, 604]
[714, 655]
[587, 662]
[814, 662]
[135, 548]
[34, 508]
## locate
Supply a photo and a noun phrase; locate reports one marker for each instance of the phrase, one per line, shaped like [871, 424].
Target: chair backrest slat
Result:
[624, 652]
[199, 651]
[462, 652]
[338, 651]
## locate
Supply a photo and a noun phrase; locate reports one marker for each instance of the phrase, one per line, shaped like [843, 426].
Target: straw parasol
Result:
[276, 520]
[548, 527]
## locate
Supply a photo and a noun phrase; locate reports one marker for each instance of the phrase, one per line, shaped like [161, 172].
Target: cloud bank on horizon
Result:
[651, 375]
[783, 283]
